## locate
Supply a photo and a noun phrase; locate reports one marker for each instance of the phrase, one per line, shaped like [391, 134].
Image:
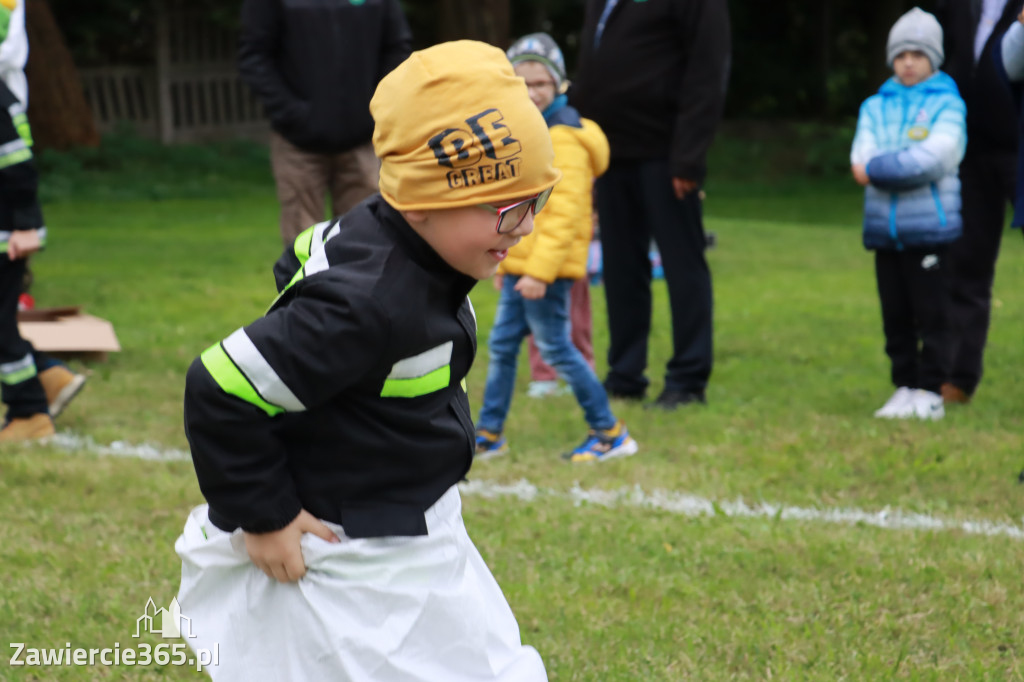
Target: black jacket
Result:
[991, 114]
[19, 181]
[316, 63]
[656, 82]
[349, 432]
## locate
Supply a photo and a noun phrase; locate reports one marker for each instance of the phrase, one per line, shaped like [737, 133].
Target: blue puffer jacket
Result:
[912, 140]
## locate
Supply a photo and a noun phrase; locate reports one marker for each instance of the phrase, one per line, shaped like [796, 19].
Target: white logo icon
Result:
[163, 622]
[930, 262]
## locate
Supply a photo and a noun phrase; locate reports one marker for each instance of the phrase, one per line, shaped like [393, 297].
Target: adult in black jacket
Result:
[653, 76]
[315, 65]
[987, 176]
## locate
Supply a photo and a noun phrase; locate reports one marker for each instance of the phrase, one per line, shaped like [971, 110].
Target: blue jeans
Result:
[548, 320]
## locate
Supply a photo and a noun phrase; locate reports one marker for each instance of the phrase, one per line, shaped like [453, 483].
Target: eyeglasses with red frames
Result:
[512, 216]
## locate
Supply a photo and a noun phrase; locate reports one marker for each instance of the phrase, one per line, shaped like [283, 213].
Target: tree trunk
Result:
[484, 20]
[58, 113]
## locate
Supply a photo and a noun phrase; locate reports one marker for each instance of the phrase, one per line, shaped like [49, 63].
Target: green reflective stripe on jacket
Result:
[18, 377]
[24, 130]
[257, 371]
[232, 381]
[302, 244]
[317, 262]
[420, 374]
[299, 274]
[18, 371]
[411, 388]
[11, 158]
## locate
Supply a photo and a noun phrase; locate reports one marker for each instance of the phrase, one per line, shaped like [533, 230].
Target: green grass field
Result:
[608, 587]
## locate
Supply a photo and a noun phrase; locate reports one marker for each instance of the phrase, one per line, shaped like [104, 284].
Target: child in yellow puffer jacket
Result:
[539, 272]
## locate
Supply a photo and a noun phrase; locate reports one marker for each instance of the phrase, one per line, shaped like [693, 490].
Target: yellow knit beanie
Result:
[454, 126]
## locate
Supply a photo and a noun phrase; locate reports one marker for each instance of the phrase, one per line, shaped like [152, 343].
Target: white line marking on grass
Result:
[662, 500]
[72, 443]
[692, 505]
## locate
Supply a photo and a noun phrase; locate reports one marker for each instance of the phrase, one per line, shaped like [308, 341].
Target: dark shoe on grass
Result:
[671, 399]
[616, 393]
[619, 395]
[953, 394]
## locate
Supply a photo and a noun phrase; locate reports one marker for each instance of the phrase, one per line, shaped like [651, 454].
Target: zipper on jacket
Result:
[938, 205]
[892, 221]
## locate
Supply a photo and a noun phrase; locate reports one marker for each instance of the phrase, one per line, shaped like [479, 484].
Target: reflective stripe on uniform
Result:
[259, 372]
[14, 152]
[302, 244]
[315, 258]
[18, 371]
[316, 263]
[309, 240]
[239, 369]
[421, 374]
[24, 130]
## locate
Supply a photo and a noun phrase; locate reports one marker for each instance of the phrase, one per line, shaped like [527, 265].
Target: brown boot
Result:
[954, 394]
[36, 427]
[61, 385]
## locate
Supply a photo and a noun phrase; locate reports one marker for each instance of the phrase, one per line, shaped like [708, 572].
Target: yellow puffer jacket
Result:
[560, 242]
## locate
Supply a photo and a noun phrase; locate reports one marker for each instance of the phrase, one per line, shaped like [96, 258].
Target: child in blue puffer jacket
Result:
[910, 139]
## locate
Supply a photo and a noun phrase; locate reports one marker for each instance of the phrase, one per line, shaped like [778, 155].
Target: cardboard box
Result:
[68, 332]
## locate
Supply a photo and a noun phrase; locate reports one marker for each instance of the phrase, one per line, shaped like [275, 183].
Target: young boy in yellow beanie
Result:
[540, 272]
[328, 436]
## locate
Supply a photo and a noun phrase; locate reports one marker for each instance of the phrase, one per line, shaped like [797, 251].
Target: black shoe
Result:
[632, 396]
[671, 399]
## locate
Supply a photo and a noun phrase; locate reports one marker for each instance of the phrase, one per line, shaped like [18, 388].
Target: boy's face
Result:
[912, 67]
[538, 82]
[466, 237]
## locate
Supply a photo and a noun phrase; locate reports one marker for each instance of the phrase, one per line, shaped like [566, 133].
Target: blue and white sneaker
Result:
[489, 444]
[605, 444]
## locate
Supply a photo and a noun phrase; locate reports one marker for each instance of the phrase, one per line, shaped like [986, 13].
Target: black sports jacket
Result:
[347, 398]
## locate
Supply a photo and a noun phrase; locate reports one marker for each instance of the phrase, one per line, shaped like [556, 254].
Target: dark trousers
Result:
[987, 185]
[913, 289]
[20, 389]
[635, 203]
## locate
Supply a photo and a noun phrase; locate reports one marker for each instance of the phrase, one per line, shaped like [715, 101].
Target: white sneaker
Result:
[544, 389]
[899, 406]
[928, 405]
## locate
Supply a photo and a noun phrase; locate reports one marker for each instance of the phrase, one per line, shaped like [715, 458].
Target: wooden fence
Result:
[192, 92]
